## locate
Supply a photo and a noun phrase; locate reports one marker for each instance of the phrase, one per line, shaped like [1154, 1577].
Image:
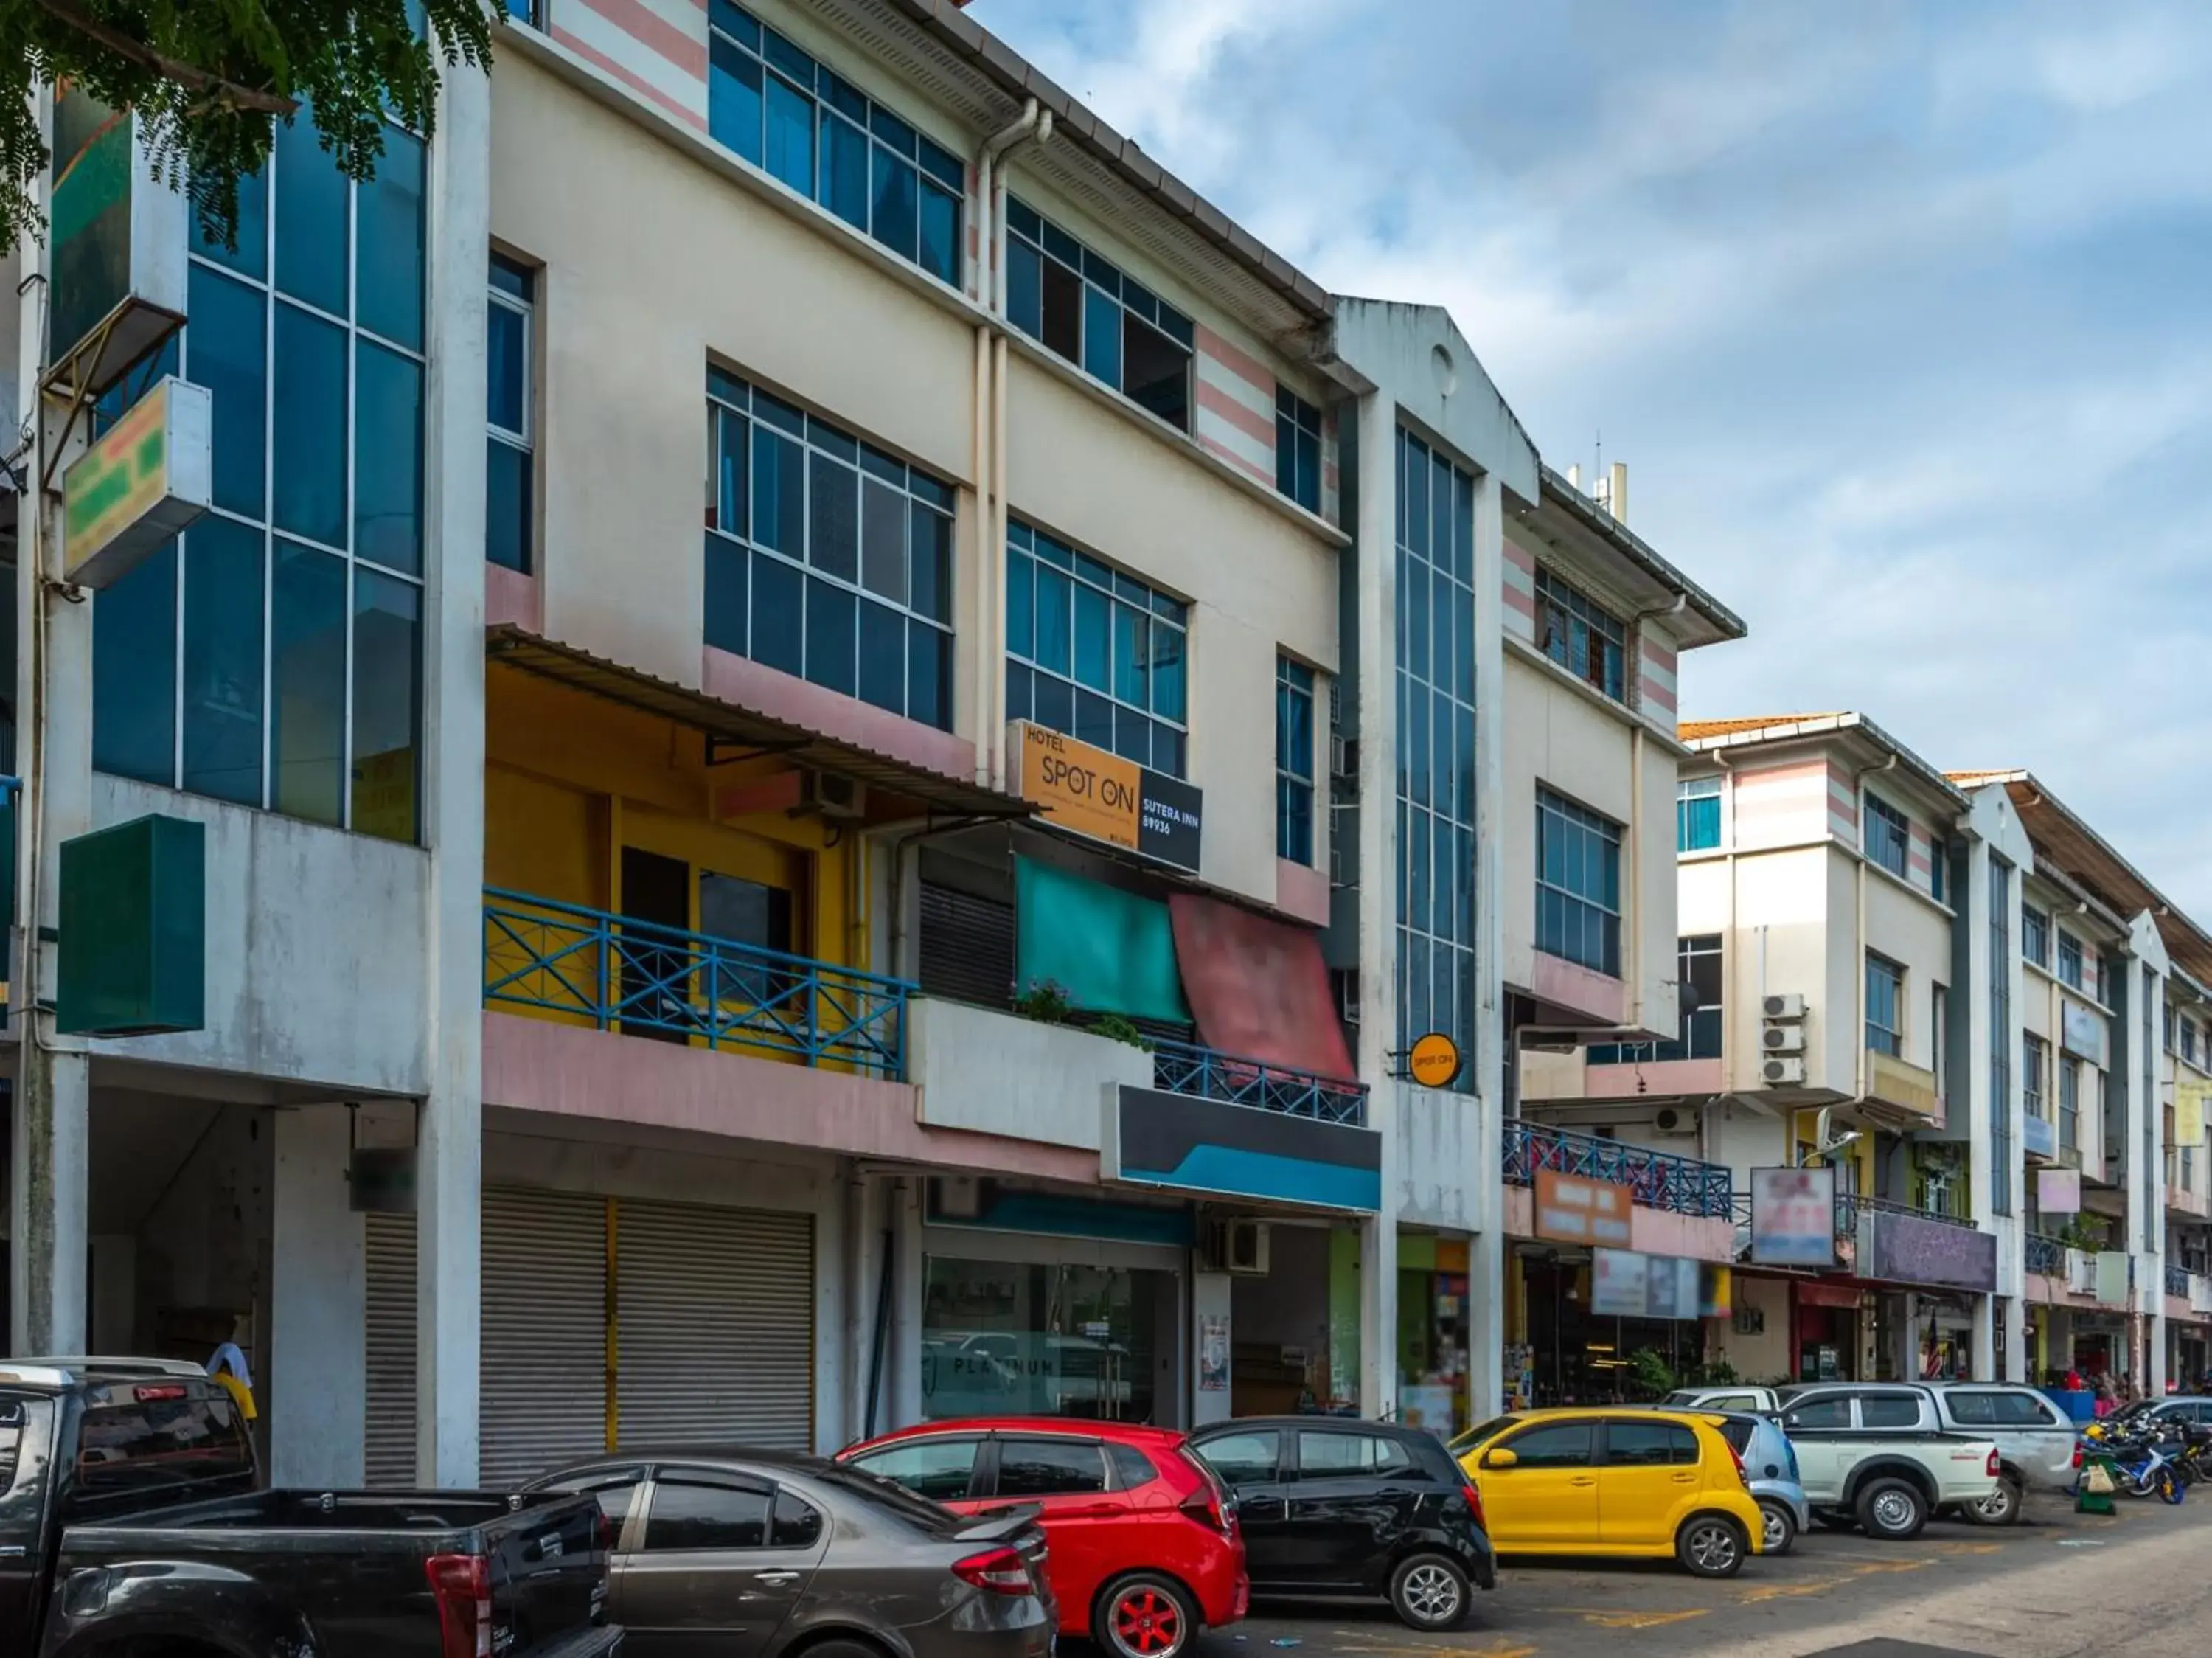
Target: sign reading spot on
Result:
[1108, 798]
[1434, 1061]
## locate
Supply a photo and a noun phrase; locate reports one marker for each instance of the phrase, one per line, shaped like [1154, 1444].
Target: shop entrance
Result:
[1004, 1338]
[1582, 1358]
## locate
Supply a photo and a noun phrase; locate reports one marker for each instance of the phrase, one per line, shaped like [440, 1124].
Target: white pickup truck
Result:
[1880, 1455]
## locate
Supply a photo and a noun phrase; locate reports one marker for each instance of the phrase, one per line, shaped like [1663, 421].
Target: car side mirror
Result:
[1500, 1460]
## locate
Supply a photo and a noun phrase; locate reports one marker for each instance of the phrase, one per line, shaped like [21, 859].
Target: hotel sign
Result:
[1098, 794]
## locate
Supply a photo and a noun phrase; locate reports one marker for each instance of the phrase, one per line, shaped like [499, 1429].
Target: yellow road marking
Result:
[1641, 1619]
[1875, 1566]
[1781, 1591]
[1968, 1548]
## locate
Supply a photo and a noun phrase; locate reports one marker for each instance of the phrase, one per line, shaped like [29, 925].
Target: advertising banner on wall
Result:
[2081, 1032]
[2058, 1191]
[2189, 1113]
[1571, 1209]
[1911, 1249]
[1625, 1284]
[1102, 795]
[1792, 1217]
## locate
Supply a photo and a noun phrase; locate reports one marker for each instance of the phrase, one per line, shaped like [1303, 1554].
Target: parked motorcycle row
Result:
[2151, 1450]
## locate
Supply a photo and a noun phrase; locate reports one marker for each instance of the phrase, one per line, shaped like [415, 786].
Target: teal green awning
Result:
[1111, 951]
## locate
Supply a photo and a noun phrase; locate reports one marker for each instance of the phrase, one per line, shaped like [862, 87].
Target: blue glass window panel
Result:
[1026, 288]
[791, 136]
[1697, 823]
[1093, 648]
[876, 464]
[509, 504]
[1463, 527]
[307, 684]
[1417, 743]
[1062, 246]
[388, 286]
[1440, 508]
[250, 232]
[883, 657]
[1167, 751]
[788, 57]
[834, 439]
[309, 497]
[1131, 643]
[947, 169]
[1444, 599]
[226, 351]
[387, 460]
[778, 615]
[845, 170]
[882, 540]
[1414, 532]
[1055, 702]
[134, 672]
[1094, 571]
[1463, 764]
[732, 492]
[831, 637]
[1414, 599]
[387, 718]
[513, 276]
[939, 252]
[1094, 720]
[1018, 690]
[1463, 645]
[928, 675]
[733, 101]
[726, 387]
[223, 562]
[1055, 552]
[1297, 758]
[843, 96]
[731, 21]
[314, 240]
[726, 595]
[1167, 672]
[891, 130]
[930, 573]
[778, 496]
[896, 224]
[1022, 219]
[1055, 642]
[833, 536]
[1133, 736]
[1021, 605]
[506, 360]
[1102, 335]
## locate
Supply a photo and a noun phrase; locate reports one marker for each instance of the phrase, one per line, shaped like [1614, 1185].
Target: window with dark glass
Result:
[1577, 884]
[272, 654]
[1244, 1458]
[1884, 1006]
[2034, 1069]
[1698, 814]
[1649, 1444]
[1556, 1445]
[2070, 1103]
[1581, 635]
[1698, 982]
[1298, 448]
[1435, 782]
[1094, 653]
[510, 353]
[826, 556]
[773, 104]
[1888, 837]
[690, 1515]
[1049, 1468]
[2070, 959]
[1294, 767]
[938, 1469]
[1107, 323]
[2034, 936]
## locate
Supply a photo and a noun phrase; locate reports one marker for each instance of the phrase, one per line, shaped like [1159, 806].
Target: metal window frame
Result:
[1287, 692]
[1575, 605]
[1894, 972]
[1579, 820]
[1896, 832]
[1036, 245]
[526, 439]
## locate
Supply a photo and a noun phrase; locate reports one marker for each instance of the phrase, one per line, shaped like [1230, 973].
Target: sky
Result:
[1899, 315]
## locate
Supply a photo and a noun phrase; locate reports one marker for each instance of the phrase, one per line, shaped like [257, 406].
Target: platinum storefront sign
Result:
[1911, 1249]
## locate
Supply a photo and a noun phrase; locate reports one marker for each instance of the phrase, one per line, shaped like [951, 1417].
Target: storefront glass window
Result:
[1008, 1338]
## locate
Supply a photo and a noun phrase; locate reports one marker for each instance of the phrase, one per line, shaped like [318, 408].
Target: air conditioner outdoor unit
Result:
[1782, 1071]
[1783, 1038]
[830, 796]
[1240, 1248]
[1343, 756]
[1670, 1120]
[1786, 1004]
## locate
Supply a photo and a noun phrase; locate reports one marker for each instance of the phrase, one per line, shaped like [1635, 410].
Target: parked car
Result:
[1145, 1549]
[2034, 1438]
[2186, 1407]
[133, 1482]
[1337, 1509]
[1770, 1465]
[1877, 1454]
[758, 1552]
[1618, 1482]
[1744, 1398]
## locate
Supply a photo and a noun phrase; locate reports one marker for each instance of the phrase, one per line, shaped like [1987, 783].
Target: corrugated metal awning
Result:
[742, 727]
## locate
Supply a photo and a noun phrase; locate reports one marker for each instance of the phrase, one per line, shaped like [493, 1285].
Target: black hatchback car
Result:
[1334, 1508]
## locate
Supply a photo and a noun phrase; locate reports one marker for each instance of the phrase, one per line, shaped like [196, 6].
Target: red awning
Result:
[1811, 1293]
[1257, 988]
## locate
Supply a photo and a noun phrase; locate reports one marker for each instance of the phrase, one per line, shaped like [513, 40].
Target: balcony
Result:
[2177, 1282]
[1655, 1179]
[2045, 1256]
[1185, 1068]
[589, 967]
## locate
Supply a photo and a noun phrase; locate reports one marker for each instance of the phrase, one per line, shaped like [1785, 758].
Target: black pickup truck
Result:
[131, 1526]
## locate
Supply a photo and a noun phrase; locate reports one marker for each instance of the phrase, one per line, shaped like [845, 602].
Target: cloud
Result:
[1898, 313]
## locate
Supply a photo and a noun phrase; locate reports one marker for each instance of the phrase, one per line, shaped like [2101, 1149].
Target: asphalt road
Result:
[2057, 1585]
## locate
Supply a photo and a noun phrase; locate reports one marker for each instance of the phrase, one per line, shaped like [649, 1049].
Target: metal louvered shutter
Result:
[717, 1326]
[542, 1391]
[388, 1426]
[967, 947]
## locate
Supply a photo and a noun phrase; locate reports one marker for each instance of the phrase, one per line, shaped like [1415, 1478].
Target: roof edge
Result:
[1798, 728]
[1641, 553]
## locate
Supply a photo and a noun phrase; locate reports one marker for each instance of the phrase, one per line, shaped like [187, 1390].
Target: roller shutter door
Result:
[543, 1379]
[389, 1428]
[717, 1334]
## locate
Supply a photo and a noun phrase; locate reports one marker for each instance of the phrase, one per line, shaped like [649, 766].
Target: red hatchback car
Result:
[1144, 1547]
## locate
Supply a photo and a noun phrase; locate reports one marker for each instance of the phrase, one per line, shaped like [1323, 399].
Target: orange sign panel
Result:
[1434, 1062]
[1572, 1210]
[1080, 787]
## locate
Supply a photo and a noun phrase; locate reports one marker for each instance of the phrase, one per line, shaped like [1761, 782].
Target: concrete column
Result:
[1985, 1336]
[903, 1353]
[1486, 1250]
[448, 1243]
[1210, 1300]
[316, 1394]
[52, 1119]
[1378, 1315]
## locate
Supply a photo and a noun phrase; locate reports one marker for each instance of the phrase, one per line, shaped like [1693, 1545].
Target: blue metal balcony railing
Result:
[1183, 1068]
[1657, 1179]
[2046, 1255]
[2177, 1282]
[1850, 1204]
[641, 977]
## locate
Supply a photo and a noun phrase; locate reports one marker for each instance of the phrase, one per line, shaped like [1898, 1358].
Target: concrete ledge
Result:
[989, 1072]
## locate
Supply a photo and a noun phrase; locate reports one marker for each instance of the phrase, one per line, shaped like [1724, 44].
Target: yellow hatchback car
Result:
[1626, 1484]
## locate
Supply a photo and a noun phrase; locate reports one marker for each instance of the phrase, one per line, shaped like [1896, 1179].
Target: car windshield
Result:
[1475, 1435]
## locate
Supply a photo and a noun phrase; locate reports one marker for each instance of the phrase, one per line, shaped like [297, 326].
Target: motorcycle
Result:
[2143, 1465]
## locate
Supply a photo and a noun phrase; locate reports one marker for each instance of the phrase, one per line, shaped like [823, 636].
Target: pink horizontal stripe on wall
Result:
[1516, 599]
[1521, 558]
[1657, 654]
[1658, 696]
[1216, 402]
[1238, 362]
[1222, 451]
[636, 83]
[656, 34]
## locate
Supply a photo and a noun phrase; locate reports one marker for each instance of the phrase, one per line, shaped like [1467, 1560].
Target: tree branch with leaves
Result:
[209, 79]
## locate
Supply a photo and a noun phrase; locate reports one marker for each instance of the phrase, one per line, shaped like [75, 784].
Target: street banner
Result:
[1792, 1217]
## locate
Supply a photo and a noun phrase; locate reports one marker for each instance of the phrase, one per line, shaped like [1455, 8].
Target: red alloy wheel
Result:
[1147, 1622]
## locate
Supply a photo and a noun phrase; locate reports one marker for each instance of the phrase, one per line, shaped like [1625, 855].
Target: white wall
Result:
[997, 1073]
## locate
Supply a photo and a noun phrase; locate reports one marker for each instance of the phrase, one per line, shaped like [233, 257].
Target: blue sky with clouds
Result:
[1900, 315]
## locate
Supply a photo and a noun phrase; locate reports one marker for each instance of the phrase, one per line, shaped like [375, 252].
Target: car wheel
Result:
[1429, 1592]
[1144, 1616]
[1709, 1546]
[1777, 1528]
[2000, 1508]
[1892, 1509]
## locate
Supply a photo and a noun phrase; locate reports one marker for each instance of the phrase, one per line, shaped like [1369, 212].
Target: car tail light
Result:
[2077, 1454]
[1742, 1476]
[1995, 1466]
[461, 1585]
[168, 1390]
[1474, 1503]
[1000, 1571]
[1208, 1510]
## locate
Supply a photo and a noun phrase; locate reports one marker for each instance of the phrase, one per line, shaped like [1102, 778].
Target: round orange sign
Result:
[1434, 1061]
